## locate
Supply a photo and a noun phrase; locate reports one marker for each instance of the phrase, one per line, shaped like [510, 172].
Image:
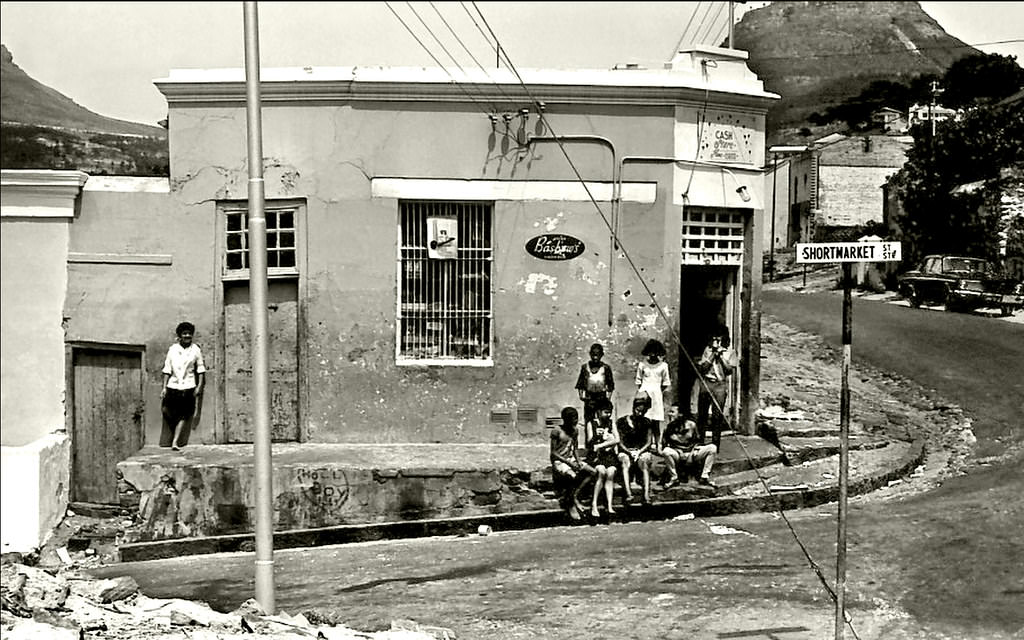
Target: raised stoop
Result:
[788, 487]
[209, 490]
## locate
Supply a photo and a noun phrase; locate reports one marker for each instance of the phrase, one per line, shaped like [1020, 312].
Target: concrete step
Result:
[788, 486]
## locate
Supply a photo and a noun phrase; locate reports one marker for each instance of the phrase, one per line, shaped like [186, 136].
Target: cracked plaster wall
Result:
[546, 313]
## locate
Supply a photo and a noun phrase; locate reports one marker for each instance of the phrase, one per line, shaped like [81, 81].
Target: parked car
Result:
[961, 283]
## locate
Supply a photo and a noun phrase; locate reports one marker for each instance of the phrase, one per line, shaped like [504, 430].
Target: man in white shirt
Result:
[184, 378]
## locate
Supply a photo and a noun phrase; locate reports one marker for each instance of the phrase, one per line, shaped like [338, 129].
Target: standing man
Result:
[184, 378]
[716, 364]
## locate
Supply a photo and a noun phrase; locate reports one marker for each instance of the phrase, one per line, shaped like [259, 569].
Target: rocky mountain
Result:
[817, 54]
[41, 128]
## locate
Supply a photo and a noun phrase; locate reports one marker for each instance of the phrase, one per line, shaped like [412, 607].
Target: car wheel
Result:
[913, 297]
[1006, 310]
[952, 304]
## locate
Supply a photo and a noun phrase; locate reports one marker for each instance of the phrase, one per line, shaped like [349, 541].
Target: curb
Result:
[343, 534]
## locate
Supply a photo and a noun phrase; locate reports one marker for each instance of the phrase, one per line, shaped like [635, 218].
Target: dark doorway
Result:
[705, 293]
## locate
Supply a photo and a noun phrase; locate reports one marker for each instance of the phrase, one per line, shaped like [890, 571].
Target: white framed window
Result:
[282, 258]
[444, 283]
[712, 236]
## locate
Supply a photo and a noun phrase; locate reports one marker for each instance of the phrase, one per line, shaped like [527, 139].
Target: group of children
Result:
[630, 444]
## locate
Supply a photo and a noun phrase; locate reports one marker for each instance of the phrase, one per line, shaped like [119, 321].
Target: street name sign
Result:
[827, 252]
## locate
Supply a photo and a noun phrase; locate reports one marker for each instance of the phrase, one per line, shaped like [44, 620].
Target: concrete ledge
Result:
[542, 517]
[35, 481]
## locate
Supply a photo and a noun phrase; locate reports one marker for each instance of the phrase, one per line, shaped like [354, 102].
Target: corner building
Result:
[438, 267]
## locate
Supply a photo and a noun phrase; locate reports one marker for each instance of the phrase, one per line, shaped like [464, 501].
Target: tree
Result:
[981, 78]
[940, 217]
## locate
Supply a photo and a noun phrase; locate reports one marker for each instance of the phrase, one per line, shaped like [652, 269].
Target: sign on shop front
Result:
[555, 246]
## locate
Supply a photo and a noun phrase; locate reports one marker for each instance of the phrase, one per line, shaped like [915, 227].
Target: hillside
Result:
[26, 100]
[42, 128]
[817, 54]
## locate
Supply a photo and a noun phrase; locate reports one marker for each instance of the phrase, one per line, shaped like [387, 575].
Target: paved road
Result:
[944, 564]
[974, 361]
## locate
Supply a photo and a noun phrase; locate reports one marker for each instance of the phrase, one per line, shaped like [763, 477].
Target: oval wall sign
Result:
[555, 246]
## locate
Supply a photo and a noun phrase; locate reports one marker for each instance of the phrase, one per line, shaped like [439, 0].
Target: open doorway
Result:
[705, 302]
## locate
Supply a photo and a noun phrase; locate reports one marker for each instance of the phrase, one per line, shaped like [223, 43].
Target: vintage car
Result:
[961, 283]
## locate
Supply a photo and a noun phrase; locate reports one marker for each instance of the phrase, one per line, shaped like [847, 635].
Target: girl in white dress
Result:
[652, 376]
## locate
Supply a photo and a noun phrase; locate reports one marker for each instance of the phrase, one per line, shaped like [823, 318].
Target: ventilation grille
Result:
[527, 415]
[501, 416]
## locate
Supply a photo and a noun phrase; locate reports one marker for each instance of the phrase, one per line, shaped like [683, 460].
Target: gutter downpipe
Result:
[264, 507]
[613, 223]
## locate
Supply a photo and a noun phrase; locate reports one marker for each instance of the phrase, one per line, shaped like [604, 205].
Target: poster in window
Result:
[442, 240]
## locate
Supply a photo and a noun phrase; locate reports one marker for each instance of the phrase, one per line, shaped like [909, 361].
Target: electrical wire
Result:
[711, 23]
[466, 49]
[431, 54]
[477, 25]
[721, 34]
[814, 566]
[444, 48]
[700, 24]
[685, 29]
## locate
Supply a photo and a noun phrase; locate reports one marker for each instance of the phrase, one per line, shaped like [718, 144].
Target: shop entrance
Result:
[705, 302]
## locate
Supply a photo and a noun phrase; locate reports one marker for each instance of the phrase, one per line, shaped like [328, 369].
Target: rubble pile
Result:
[67, 604]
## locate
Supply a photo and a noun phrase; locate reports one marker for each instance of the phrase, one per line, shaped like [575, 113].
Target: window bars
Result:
[444, 282]
[712, 236]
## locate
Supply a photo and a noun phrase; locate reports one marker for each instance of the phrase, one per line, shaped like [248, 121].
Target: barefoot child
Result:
[595, 383]
[566, 467]
[601, 454]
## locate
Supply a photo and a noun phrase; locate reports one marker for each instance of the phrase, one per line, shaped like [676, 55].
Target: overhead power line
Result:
[431, 54]
[711, 24]
[470, 53]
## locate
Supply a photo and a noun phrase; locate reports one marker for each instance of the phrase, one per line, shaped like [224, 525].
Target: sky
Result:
[105, 55]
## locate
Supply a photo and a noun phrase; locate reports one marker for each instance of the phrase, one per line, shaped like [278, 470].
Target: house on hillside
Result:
[923, 113]
[890, 121]
[437, 267]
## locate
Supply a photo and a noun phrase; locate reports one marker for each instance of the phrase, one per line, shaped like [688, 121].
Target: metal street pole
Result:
[258, 308]
[844, 451]
[775, 184]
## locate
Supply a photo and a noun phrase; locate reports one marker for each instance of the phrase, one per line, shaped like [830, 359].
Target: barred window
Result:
[280, 241]
[444, 283]
[712, 236]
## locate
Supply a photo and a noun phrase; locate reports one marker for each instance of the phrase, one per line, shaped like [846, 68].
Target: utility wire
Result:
[700, 24]
[444, 48]
[814, 566]
[711, 23]
[685, 29]
[466, 49]
[431, 54]
[477, 25]
[721, 33]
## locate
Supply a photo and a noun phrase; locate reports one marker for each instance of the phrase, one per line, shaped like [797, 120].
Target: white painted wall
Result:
[34, 494]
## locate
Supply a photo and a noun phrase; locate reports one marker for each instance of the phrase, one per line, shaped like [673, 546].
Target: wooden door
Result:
[107, 422]
[282, 322]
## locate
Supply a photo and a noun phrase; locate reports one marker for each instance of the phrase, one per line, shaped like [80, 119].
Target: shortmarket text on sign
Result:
[822, 252]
